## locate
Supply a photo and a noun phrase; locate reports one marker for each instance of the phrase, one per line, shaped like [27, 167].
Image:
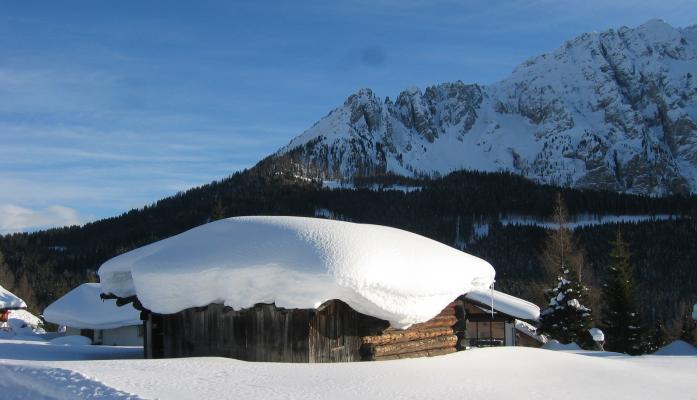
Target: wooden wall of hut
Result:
[440, 335]
[333, 333]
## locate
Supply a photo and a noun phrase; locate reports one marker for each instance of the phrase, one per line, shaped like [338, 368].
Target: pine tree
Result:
[7, 278]
[567, 318]
[218, 211]
[26, 293]
[657, 339]
[688, 330]
[620, 318]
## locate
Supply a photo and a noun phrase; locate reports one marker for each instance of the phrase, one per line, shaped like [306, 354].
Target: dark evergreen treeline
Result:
[446, 209]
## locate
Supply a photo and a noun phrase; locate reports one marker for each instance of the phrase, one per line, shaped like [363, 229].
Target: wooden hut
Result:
[334, 332]
[495, 318]
[338, 292]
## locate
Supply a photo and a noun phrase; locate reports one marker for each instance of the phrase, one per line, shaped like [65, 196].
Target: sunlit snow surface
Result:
[298, 262]
[36, 371]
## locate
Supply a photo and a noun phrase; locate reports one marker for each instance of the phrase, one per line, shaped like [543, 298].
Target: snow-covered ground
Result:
[33, 370]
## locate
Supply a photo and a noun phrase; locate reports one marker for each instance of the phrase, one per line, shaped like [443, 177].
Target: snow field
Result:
[491, 373]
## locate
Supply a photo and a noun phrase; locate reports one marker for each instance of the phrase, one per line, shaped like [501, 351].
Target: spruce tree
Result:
[567, 318]
[218, 211]
[688, 330]
[7, 278]
[619, 315]
[657, 339]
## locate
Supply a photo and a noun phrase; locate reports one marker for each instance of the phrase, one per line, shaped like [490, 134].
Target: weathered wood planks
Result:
[333, 333]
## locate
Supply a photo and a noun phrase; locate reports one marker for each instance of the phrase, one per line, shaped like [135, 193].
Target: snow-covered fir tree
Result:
[620, 318]
[566, 318]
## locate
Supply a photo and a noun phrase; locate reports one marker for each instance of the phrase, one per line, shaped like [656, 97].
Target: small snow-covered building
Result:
[494, 318]
[8, 302]
[14, 318]
[83, 312]
[300, 290]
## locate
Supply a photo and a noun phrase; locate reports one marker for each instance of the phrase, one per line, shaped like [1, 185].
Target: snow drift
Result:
[83, 308]
[297, 262]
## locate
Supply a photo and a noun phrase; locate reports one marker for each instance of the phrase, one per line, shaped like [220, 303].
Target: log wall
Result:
[442, 334]
[332, 333]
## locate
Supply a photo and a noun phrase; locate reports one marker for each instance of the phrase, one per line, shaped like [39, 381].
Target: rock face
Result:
[615, 110]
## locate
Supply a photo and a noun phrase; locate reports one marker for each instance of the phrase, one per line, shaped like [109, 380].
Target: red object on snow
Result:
[5, 316]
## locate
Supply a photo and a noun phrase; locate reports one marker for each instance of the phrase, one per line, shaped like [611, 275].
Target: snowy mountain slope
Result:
[615, 110]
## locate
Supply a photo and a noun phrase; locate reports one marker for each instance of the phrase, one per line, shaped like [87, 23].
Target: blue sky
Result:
[108, 106]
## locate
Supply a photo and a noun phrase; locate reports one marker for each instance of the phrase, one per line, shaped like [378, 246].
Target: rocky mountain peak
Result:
[613, 110]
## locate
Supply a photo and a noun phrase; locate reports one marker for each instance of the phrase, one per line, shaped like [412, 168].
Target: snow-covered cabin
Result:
[303, 290]
[495, 318]
[8, 302]
[83, 312]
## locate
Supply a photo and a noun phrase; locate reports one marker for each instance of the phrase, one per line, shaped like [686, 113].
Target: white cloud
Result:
[14, 218]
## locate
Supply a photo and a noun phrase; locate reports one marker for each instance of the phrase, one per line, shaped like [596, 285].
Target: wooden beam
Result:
[414, 345]
[415, 354]
[407, 335]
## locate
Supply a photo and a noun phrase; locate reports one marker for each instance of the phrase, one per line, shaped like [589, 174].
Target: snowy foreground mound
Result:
[83, 308]
[493, 374]
[298, 262]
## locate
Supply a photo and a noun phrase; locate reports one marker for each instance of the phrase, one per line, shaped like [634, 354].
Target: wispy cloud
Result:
[104, 108]
[14, 218]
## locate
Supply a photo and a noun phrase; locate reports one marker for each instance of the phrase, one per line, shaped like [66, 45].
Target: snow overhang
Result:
[297, 262]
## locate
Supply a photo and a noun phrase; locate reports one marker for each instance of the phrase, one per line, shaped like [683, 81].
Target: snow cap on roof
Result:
[297, 262]
[506, 304]
[83, 308]
[10, 300]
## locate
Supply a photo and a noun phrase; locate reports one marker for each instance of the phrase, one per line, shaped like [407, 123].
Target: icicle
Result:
[492, 299]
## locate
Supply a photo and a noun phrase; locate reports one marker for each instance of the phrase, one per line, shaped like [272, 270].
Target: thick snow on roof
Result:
[9, 300]
[83, 308]
[529, 330]
[506, 304]
[298, 262]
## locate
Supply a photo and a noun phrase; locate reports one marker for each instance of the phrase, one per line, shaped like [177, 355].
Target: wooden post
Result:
[148, 337]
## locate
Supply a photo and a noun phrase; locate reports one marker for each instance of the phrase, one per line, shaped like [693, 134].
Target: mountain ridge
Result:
[614, 110]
